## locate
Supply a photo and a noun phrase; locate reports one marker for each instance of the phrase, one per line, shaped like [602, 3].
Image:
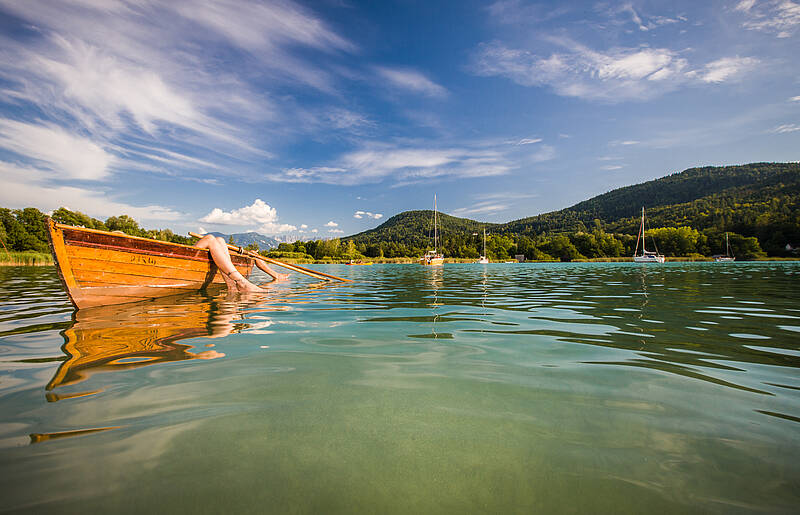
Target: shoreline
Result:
[46, 260]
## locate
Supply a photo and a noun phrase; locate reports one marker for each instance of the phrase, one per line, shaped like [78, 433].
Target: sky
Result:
[323, 119]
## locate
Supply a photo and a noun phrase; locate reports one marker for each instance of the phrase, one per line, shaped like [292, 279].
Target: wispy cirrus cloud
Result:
[411, 80]
[66, 155]
[724, 69]
[405, 164]
[494, 202]
[786, 128]
[483, 208]
[125, 73]
[618, 74]
[25, 186]
[781, 17]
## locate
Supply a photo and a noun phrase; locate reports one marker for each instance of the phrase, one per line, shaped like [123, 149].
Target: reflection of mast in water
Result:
[645, 299]
[127, 336]
[485, 284]
[437, 275]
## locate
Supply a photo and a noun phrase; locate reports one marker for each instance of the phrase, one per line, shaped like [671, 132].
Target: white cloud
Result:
[69, 155]
[786, 128]
[406, 164]
[795, 99]
[331, 224]
[25, 186]
[726, 68]
[480, 208]
[412, 80]
[258, 213]
[781, 17]
[314, 231]
[611, 167]
[619, 74]
[529, 141]
[303, 226]
[336, 231]
[121, 72]
[271, 229]
[362, 214]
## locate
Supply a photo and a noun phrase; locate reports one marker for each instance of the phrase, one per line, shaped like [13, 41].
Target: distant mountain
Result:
[244, 239]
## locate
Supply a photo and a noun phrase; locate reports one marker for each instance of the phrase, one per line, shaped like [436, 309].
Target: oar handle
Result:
[295, 268]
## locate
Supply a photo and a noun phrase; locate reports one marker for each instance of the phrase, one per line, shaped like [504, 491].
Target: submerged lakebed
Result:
[587, 387]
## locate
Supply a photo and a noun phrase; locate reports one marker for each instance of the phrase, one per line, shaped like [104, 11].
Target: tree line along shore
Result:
[23, 234]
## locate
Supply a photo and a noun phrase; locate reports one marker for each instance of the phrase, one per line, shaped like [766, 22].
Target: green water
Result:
[552, 388]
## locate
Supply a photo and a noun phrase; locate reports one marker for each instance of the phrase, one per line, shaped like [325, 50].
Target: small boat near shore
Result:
[727, 258]
[359, 262]
[646, 256]
[433, 257]
[483, 260]
[101, 268]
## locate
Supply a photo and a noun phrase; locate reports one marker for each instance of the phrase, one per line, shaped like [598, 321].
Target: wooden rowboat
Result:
[100, 268]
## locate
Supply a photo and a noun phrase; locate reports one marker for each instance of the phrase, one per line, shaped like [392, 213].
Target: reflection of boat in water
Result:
[102, 268]
[727, 258]
[432, 257]
[127, 336]
[646, 256]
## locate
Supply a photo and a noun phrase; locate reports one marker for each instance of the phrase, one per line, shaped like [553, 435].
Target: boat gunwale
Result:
[123, 235]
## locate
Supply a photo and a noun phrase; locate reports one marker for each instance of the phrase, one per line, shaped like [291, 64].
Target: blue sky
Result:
[322, 119]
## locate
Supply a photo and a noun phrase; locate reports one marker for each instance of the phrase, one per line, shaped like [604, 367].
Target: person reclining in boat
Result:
[233, 278]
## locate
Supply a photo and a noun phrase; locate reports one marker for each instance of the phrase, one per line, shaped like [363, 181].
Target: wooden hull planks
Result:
[100, 268]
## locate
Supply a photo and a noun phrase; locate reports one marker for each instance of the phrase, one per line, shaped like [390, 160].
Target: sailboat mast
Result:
[642, 231]
[435, 228]
[484, 242]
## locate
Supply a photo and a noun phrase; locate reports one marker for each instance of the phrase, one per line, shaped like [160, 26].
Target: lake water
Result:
[547, 388]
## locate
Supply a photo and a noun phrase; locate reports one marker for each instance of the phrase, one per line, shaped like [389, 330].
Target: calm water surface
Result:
[580, 388]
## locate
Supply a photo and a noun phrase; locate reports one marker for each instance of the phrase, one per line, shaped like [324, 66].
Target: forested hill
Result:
[732, 183]
[759, 199]
[414, 229]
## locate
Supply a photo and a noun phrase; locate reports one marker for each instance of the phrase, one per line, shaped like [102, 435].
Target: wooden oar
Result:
[294, 268]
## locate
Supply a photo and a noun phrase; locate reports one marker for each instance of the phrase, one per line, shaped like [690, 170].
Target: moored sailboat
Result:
[646, 256]
[483, 260]
[727, 258]
[433, 257]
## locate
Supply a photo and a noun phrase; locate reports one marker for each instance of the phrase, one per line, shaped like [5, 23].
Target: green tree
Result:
[124, 223]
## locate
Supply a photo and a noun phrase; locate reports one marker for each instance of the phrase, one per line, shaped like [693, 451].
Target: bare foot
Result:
[280, 277]
[238, 281]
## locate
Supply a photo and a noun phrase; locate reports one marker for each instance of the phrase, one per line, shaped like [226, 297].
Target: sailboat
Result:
[483, 259]
[727, 257]
[646, 256]
[432, 257]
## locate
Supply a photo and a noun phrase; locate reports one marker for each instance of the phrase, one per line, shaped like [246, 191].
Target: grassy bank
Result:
[27, 258]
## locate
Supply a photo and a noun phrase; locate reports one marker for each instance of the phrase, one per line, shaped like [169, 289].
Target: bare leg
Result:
[222, 258]
[269, 271]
